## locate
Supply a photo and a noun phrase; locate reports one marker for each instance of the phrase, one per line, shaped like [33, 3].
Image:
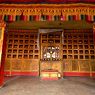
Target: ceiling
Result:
[47, 1]
[50, 25]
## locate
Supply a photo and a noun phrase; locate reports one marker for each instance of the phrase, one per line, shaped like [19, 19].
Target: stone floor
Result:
[22, 85]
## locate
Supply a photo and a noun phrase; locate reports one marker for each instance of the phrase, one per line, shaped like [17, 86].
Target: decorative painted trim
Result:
[13, 10]
[7, 73]
[78, 74]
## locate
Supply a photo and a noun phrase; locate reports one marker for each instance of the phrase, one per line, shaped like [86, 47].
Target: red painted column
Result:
[94, 33]
[2, 52]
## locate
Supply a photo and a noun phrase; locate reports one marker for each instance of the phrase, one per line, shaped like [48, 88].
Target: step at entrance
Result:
[50, 75]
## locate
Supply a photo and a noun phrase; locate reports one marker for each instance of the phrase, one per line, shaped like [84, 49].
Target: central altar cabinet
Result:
[51, 55]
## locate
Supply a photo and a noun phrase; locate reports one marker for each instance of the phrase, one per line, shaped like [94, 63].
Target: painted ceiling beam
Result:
[47, 1]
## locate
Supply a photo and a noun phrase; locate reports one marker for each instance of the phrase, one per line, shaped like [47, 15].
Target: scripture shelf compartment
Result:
[50, 41]
[15, 41]
[15, 36]
[69, 46]
[10, 41]
[90, 36]
[64, 51]
[31, 46]
[85, 41]
[9, 51]
[80, 51]
[85, 36]
[30, 51]
[30, 56]
[79, 44]
[86, 56]
[65, 41]
[21, 45]
[26, 46]
[69, 51]
[91, 42]
[75, 51]
[32, 41]
[80, 41]
[8, 55]
[64, 56]
[92, 56]
[50, 38]
[21, 36]
[20, 56]
[36, 47]
[91, 46]
[81, 57]
[20, 51]
[27, 41]
[14, 51]
[36, 51]
[75, 41]
[86, 51]
[75, 56]
[75, 47]
[57, 41]
[86, 46]
[69, 41]
[26, 36]
[25, 51]
[64, 46]
[80, 36]
[25, 56]
[21, 41]
[70, 36]
[36, 56]
[70, 57]
[44, 36]
[32, 36]
[15, 46]
[75, 36]
[44, 41]
[57, 36]
[14, 56]
[9, 45]
[10, 36]
[65, 36]
[91, 51]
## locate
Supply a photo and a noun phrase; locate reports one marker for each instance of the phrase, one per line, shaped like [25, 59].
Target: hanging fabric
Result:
[5, 17]
[1, 17]
[17, 18]
[10, 17]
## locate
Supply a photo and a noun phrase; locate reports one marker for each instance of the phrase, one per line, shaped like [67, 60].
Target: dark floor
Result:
[35, 86]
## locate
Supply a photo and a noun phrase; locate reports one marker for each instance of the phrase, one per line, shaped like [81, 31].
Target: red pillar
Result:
[2, 52]
[94, 33]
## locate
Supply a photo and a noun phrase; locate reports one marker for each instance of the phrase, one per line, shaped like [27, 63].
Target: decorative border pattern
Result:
[51, 12]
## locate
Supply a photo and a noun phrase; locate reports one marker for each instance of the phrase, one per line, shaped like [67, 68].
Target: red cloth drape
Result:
[1, 17]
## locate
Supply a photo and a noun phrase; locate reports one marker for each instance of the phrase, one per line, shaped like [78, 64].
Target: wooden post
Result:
[94, 33]
[91, 72]
[2, 52]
